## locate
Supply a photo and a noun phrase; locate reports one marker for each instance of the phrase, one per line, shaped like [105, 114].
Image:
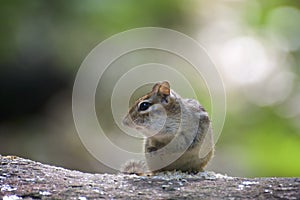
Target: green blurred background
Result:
[254, 44]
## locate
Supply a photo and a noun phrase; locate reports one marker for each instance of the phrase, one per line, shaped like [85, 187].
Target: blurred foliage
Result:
[44, 42]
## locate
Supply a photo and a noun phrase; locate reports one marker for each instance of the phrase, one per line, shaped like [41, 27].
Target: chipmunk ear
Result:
[155, 87]
[164, 88]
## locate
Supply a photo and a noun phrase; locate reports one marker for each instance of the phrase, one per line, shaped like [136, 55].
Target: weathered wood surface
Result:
[26, 179]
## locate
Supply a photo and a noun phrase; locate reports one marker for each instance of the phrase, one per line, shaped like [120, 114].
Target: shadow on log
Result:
[25, 179]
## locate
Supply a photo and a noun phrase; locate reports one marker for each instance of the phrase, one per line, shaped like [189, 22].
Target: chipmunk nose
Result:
[127, 121]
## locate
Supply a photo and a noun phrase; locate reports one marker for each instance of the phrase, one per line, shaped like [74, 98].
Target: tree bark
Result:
[26, 179]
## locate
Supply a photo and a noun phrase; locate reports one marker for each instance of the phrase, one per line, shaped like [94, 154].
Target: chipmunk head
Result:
[150, 112]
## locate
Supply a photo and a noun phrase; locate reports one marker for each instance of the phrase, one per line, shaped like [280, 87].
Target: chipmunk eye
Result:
[144, 106]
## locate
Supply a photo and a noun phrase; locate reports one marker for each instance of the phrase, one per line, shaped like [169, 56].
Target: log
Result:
[25, 179]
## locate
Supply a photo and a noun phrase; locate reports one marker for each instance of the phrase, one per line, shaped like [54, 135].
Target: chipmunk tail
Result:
[137, 167]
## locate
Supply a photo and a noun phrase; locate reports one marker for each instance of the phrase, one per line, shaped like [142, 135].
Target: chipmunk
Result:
[177, 130]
